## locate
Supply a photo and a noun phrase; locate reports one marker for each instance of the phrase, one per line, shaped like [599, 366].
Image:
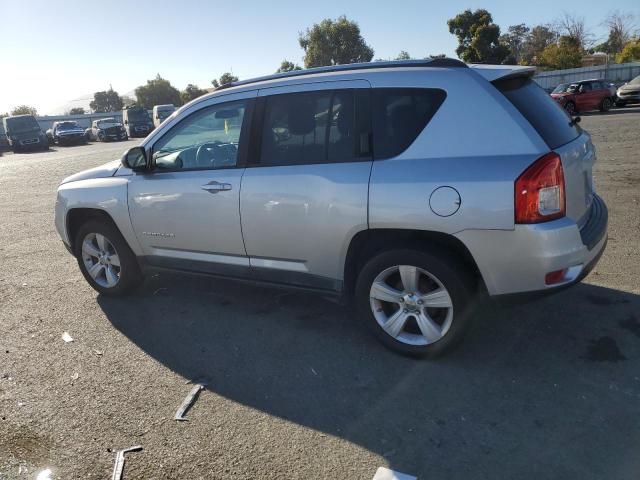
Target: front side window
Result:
[399, 115]
[314, 127]
[207, 139]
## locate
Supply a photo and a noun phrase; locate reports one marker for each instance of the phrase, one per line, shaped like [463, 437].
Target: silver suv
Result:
[413, 188]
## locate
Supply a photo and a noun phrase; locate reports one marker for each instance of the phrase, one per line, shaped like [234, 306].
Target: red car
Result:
[584, 95]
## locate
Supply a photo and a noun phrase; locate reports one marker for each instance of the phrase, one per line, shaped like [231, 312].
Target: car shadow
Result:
[536, 388]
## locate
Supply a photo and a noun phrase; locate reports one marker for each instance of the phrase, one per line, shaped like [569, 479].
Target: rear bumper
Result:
[517, 261]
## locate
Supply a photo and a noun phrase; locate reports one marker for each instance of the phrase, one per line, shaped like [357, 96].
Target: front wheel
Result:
[416, 303]
[570, 108]
[105, 259]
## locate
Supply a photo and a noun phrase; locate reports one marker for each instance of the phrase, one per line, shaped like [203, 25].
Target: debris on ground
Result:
[46, 474]
[98, 353]
[75, 376]
[118, 467]
[188, 402]
[66, 337]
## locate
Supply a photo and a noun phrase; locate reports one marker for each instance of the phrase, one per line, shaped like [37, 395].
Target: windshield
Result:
[635, 81]
[561, 88]
[138, 115]
[67, 125]
[22, 124]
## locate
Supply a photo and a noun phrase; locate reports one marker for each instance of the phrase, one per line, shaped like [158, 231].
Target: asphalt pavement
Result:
[295, 387]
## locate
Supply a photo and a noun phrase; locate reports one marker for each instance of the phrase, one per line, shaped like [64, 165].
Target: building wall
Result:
[617, 73]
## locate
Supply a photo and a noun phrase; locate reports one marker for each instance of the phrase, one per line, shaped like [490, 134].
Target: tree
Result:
[622, 29]
[77, 111]
[630, 52]
[567, 53]
[191, 92]
[157, 92]
[224, 79]
[287, 66]
[334, 42]
[106, 101]
[514, 40]
[478, 37]
[128, 101]
[24, 110]
[403, 55]
[574, 27]
[539, 38]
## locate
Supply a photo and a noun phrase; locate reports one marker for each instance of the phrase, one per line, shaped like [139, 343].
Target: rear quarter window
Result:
[540, 110]
[399, 115]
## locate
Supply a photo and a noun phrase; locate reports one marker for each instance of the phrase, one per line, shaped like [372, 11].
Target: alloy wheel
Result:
[101, 260]
[411, 305]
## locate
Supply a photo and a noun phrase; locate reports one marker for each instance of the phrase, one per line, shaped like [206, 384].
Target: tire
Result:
[605, 105]
[128, 274]
[100, 137]
[435, 271]
[570, 108]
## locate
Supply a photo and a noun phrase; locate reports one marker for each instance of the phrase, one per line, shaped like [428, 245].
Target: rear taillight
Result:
[539, 191]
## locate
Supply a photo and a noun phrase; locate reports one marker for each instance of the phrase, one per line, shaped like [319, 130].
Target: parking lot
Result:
[296, 388]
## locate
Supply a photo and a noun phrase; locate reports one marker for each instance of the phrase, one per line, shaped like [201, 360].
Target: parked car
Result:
[137, 121]
[161, 112]
[629, 92]
[23, 133]
[106, 129]
[412, 188]
[583, 96]
[66, 133]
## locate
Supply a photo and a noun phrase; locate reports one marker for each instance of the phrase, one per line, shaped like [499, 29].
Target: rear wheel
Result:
[416, 303]
[605, 105]
[105, 259]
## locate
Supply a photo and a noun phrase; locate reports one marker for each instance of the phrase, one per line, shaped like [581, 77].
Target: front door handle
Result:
[215, 187]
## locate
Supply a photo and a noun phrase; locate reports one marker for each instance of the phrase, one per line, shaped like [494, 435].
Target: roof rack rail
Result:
[435, 62]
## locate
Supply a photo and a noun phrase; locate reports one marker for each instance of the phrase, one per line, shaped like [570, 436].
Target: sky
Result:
[54, 51]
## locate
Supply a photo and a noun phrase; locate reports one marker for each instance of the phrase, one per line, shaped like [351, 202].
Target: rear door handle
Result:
[215, 187]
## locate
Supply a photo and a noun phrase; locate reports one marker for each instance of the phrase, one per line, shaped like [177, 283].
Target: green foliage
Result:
[539, 38]
[514, 40]
[334, 42]
[77, 111]
[567, 53]
[106, 101]
[403, 55]
[24, 110]
[157, 92]
[224, 79]
[190, 93]
[478, 37]
[630, 52]
[287, 66]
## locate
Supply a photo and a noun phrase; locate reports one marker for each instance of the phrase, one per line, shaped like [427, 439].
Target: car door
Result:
[185, 211]
[304, 192]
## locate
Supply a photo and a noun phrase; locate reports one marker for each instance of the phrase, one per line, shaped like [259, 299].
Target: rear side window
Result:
[542, 112]
[399, 115]
[315, 127]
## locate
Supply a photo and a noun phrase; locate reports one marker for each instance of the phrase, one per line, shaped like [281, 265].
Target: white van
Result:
[160, 112]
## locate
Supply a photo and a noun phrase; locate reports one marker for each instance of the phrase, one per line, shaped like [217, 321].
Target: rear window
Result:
[399, 115]
[542, 112]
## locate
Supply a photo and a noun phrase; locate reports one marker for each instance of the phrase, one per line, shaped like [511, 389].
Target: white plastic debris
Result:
[66, 337]
[99, 353]
[386, 474]
[46, 474]
[75, 376]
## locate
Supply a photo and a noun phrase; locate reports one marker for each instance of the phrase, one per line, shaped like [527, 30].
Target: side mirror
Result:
[135, 158]
[126, 122]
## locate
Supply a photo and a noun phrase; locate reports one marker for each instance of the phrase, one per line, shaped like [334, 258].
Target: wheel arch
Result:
[367, 243]
[76, 217]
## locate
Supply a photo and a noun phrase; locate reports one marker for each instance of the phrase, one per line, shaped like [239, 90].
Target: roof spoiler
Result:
[494, 73]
